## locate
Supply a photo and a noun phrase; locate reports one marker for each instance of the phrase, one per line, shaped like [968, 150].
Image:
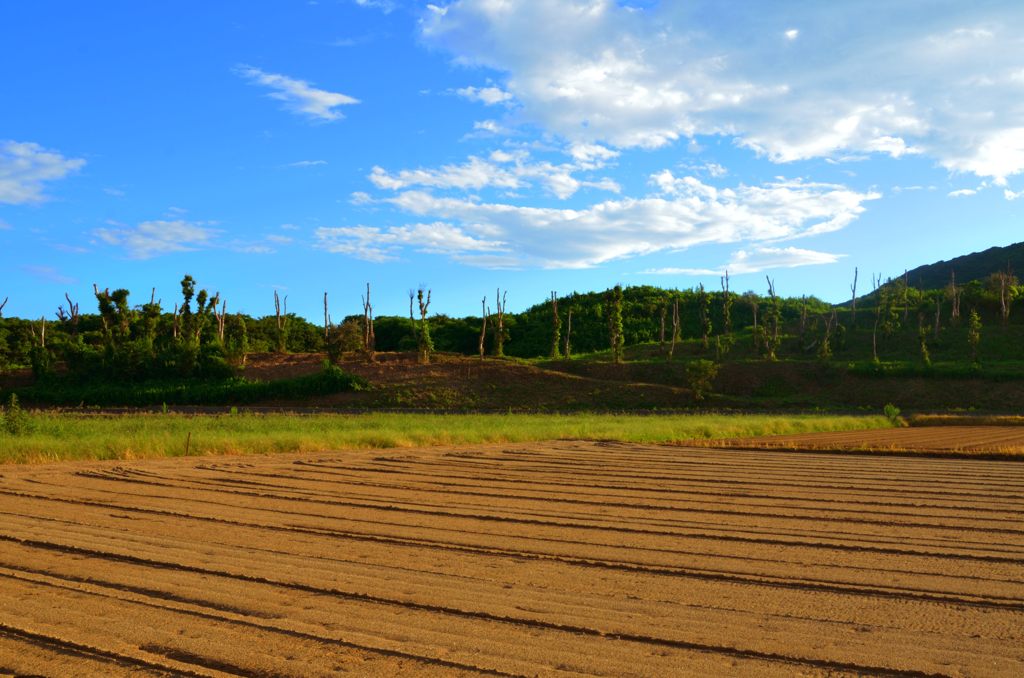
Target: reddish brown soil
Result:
[544, 559]
[998, 440]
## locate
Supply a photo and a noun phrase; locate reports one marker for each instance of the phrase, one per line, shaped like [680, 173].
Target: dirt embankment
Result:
[515, 560]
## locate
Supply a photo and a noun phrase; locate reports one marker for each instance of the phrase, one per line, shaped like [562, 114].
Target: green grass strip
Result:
[54, 437]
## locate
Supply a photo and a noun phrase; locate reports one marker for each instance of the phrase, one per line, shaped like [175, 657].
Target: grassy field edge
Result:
[49, 437]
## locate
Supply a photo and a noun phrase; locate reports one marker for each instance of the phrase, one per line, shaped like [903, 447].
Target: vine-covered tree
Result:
[556, 328]
[771, 332]
[726, 306]
[281, 323]
[426, 344]
[704, 308]
[614, 298]
[974, 334]
[484, 313]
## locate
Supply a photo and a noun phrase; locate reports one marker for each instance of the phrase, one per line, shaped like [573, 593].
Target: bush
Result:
[15, 420]
[700, 375]
[892, 413]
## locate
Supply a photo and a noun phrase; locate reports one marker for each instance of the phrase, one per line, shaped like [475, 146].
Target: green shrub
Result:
[15, 420]
[700, 375]
[892, 413]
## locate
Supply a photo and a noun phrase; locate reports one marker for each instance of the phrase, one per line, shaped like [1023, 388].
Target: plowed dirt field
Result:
[541, 559]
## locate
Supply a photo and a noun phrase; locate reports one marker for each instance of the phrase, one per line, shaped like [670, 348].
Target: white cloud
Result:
[756, 260]
[685, 214]
[386, 6]
[306, 163]
[25, 168]
[486, 95]
[154, 238]
[279, 239]
[962, 193]
[504, 170]
[945, 75]
[299, 96]
[116, 192]
[383, 244]
[1010, 195]
[488, 127]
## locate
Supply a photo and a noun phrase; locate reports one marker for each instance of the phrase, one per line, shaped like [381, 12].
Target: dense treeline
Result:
[197, 337]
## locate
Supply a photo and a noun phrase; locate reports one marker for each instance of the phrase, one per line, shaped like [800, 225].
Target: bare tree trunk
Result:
[176, 327]
[499, 332]
[221, 318]
[661, 334]
[2, 306]
[282, 322]
[484, 312]
[938, 314]
[568, 333]
[675, 328]
[906, 297]
[853, 301]
[369, 337]
[954, 293]
[327, 321]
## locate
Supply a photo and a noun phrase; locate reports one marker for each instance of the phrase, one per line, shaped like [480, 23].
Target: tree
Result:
[754, 302]
[853, 300]
[771, 334]
[704, 306]
[614, 298]
[954, 293]
[726, 306]
[281, 323]
[825, 348]
[974, 334]
[500, 335]
[556, 327]
[1002, 284]
[484, 313]
[676, 326]
[369, 338]
[426, 344]
[567, 352]
[700, 375]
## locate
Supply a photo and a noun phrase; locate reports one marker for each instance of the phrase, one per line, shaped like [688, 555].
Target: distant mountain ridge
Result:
[968, 267]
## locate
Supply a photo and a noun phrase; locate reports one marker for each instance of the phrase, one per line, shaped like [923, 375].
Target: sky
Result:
[536, 146]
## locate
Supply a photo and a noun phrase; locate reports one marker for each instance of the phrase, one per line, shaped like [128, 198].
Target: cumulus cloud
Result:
[384, 244]
[683, 212]
[962, 193]
[756, 260]
[154, 238]
[26, 167]
[503, 170]
[486, 95]
[945, 81]
[307, 163]
[298, 95]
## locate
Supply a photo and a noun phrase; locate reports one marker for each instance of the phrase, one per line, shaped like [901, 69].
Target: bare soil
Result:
[543, 559]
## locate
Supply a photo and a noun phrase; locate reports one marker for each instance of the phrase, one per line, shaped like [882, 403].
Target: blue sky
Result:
[535, 146]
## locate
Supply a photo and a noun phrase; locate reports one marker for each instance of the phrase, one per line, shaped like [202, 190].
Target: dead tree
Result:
[938, 314]
[369, 338]
[556, 327]
[499, 329]
[675, 327]
[803, 318]
[1005, 281]
[282, 321]
[2, 306]
[484, 312]
[39, 338]
[878, 318]
[726, 305]
[69, 315]
[567, 352]
[661, 333]
[176, 326]
[853, 300]
[906, 297]
[327, 321]
[221, 317]
[954, 296]
[771, 340]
